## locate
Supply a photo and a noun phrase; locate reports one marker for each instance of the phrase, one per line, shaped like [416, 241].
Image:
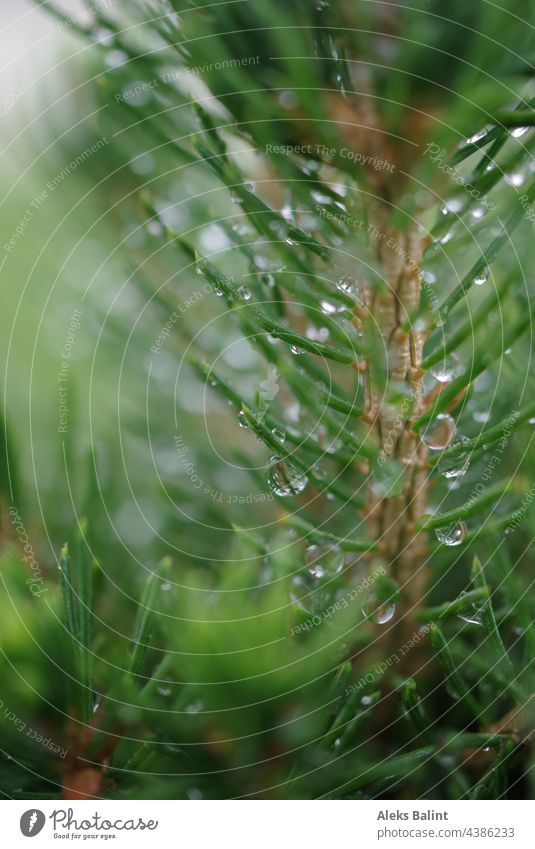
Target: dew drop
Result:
[382, 614]
[279, 433]
[518, 179]
[476, 137]
[295, 349]
[471, 615]
[453, 534]
[244, 293]
[482, 277]
[328, 308]
[283, 479]
[242, 420]
[346, 285]
[455, 467]
[268, 280]
[324, 561]
[439, 433]
[195, 707]
[379, 606]
[446, 370]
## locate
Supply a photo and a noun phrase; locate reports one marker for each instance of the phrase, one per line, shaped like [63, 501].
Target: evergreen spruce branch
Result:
[516, 118]
[340, 404]
[488, 256]
[486, 137]
[304, 390]
[441, 347]
[489, 156]
[480, 362]
[495, 783]
[264, 322]
[489, 622]
[315, 534]
[476, 740]
[303, 441]
[491, 528]
[495, 135]
[85, 566]
[516, 598]
[265, 219]
[491, 498]
[480, 182]
[348, 711]
[352, 726]
[487, 437]
[279, 448]
[150, 122]
[69, 597]
[453, 608]
[413, 709]
[145, 615]
[307, 386]
[389, 769]
[486, 180]
[454, 678]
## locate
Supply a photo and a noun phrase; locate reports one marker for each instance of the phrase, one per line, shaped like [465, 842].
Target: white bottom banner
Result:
[269, 825]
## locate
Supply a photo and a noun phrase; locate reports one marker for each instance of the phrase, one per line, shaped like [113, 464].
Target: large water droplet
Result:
[455, 467]
[446, 370]
[244, 293]
[348, 286]
[453, 534]
[439, 433]
[324, 561]
[285, 480]
[328, 308]
[482, 277]
[379, 612]
[471, 615]
[295, 349]
[379, 604]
